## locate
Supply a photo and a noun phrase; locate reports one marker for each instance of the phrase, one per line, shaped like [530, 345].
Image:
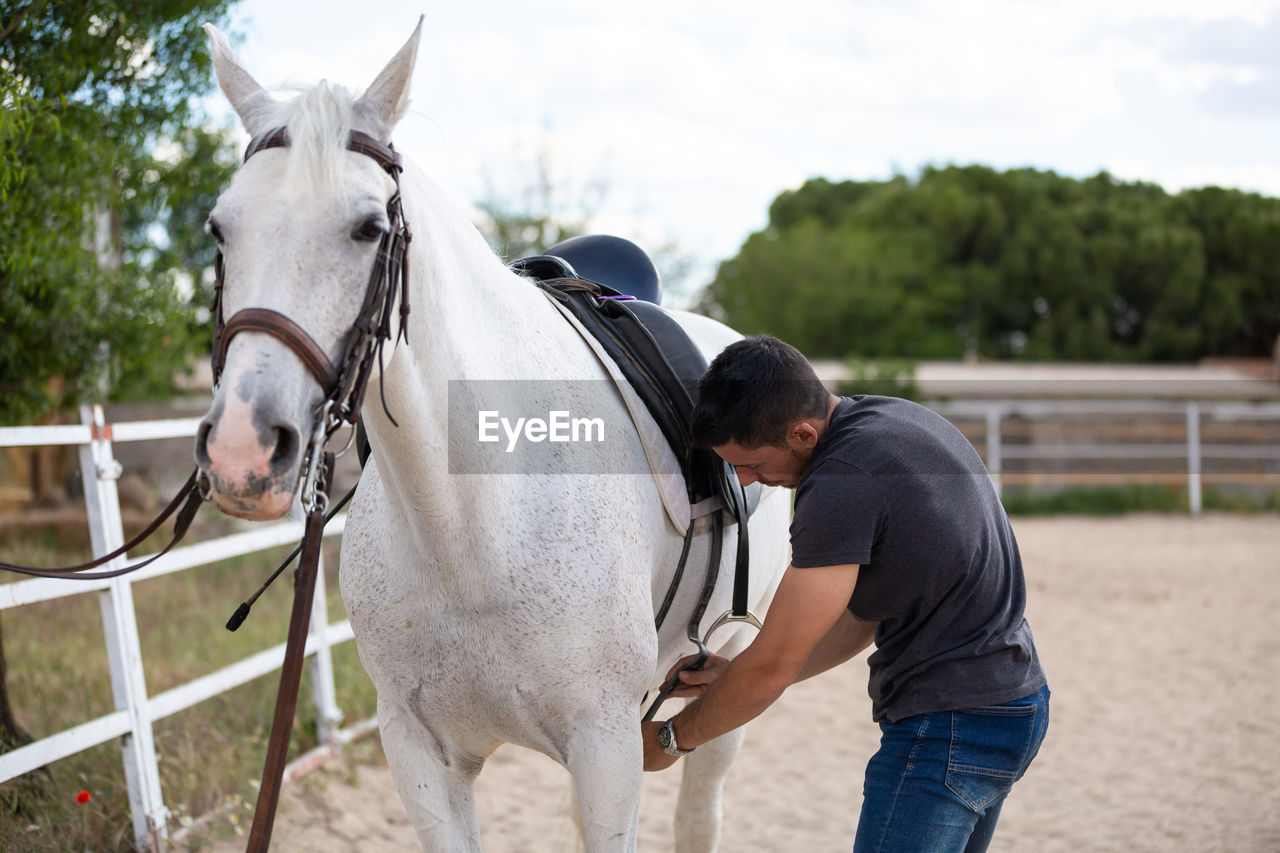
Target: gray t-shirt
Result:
[895, 488]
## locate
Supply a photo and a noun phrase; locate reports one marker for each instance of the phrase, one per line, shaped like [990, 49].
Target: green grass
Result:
[1119, 500]
[208, 754]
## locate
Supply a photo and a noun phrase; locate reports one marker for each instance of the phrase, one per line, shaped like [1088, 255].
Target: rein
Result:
[186, 503]
[304, 586]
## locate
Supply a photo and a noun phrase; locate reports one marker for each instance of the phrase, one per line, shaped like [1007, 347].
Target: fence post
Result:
[329, 715]
[99, 470]
[994, 461]
[1194, 497]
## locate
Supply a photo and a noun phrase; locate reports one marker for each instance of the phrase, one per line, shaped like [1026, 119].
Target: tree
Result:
[106, 174]
[1016, 264]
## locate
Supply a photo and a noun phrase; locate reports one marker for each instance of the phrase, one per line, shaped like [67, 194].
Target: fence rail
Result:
[1054, 443]
[136, 711]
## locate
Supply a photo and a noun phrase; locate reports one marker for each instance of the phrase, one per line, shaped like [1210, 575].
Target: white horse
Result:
[488, 608]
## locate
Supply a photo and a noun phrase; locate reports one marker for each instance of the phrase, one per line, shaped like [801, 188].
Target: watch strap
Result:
[667, 740]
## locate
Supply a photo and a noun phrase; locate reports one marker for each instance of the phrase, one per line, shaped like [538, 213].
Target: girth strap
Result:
[692, 632]
[622, 327]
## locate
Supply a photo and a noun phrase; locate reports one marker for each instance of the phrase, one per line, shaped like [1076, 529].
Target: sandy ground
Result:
[1160, 636]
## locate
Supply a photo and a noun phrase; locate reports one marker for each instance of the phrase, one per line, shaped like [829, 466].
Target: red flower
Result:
[82, 797]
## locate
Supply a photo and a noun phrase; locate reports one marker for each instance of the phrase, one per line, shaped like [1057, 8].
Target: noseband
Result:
[344, 383]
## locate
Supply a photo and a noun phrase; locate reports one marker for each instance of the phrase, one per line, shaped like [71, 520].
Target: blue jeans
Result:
[938, 781]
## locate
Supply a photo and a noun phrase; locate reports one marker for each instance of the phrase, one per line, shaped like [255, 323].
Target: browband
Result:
[361, 143]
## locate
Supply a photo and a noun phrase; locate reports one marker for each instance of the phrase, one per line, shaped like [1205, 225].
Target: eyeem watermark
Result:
[542, 426]
[558, 426]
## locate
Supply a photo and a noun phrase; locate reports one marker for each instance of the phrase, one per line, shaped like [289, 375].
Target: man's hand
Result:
[696, 681]
[654, 757]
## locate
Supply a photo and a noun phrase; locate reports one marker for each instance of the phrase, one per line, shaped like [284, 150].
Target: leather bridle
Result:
[344, 383]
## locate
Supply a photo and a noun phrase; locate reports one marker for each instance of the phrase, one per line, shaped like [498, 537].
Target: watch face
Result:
[664, 736]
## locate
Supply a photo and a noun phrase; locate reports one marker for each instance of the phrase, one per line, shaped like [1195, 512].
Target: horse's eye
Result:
[370, 230]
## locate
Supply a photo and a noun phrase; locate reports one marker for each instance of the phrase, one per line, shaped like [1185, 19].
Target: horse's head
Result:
[299, 230]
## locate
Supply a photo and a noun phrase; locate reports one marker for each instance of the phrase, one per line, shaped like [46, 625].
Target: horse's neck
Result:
[470, 319]
[479, 319]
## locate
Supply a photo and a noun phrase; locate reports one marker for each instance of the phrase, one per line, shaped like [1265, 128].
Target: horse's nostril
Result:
[202, 444]
[286, 449]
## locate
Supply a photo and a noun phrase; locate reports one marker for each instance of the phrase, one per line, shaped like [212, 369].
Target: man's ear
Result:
[802, 435]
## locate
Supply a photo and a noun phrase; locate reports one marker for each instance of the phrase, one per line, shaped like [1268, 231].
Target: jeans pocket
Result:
[990, 750]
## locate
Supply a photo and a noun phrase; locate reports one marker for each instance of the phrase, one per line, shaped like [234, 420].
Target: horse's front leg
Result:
[435, 781]
[606, 760]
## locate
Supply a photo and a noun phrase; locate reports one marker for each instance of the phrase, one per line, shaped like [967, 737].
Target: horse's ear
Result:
[384, 103]
[251, 102]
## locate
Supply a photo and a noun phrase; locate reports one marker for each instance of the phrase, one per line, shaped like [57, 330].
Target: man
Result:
[897, 537]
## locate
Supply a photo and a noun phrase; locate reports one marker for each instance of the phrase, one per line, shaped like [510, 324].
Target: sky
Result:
[678, 121]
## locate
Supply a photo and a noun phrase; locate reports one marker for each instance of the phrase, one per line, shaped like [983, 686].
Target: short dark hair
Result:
[753, 390]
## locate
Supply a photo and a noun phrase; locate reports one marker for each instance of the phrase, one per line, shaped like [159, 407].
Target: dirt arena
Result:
[1161, 637]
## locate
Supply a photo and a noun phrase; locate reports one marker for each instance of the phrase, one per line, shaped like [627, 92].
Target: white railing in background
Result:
[1184, 442]
[135, 710]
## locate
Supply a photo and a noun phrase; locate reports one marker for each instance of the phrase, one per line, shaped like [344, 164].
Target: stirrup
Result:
[729, 617]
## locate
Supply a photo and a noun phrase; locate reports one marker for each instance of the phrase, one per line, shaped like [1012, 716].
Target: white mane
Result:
[320, 119]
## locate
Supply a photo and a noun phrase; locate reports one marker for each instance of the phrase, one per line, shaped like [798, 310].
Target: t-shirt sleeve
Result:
[835, 520]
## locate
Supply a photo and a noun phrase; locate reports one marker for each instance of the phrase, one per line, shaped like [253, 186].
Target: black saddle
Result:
[602, 258]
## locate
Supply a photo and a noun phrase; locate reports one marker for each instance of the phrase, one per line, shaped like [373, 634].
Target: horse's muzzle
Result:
[252, 467]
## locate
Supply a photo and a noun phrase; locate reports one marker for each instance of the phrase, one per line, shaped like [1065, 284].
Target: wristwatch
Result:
[667, 740]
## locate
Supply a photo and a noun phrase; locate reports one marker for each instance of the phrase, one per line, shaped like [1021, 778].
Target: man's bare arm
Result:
[845, 639]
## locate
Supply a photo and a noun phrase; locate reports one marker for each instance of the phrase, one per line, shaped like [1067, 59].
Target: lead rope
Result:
[304, 587]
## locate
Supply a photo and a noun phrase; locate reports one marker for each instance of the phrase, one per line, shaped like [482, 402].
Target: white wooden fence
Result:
[135, 710]
[1112, 442]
